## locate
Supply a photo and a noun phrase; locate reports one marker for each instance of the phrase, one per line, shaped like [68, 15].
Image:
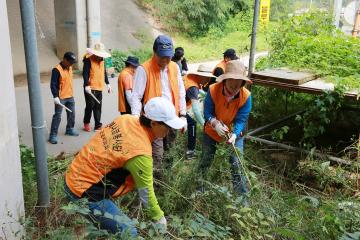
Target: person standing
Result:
[228, 55]
[159, 76]
[61, 86]
[180, 60]
[125, 84]
[95, 77]
[118, 160]
[193, 83]
[226, 109]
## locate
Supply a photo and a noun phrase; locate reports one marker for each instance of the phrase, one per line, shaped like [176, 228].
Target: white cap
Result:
[162, 110]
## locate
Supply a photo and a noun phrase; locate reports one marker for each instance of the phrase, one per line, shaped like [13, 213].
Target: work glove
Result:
[163, 222]
[221, 129]
[232, 139]
[88, 89]
[108, 88]
[184, 129]
[57, 101]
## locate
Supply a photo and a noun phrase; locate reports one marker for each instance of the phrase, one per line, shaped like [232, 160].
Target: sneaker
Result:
[190, 154]
[98, 129]
[71, 132]
[53, 139]
[87, 127]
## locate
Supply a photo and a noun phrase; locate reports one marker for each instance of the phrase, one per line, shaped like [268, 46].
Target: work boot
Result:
[71, 132]
[87, 127]
[53, 139]
[190, 154]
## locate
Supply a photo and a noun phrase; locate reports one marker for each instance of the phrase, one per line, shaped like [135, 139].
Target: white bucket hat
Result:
[162, 110]
[203, 71]
[99, 50]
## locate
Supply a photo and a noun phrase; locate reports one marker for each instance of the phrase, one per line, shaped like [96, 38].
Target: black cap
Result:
[230, 53]
[134, 61]
[70, 56]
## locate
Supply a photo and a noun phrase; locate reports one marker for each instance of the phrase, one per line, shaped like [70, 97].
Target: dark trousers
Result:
[191, 144]
[239, 180]
[93, 107]
[56, 119]
[159, 146]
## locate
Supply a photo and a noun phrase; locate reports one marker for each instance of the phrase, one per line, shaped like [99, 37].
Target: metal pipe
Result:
[253, 132]
[37, 116]
[295, 149]
[253, 37]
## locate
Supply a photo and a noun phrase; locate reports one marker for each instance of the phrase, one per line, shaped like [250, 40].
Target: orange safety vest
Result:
[97, 74]
[221, 65]
[153, 83]
[126, 72]
[110, 149]
[224, 111]
[191, 81]
[65, 82]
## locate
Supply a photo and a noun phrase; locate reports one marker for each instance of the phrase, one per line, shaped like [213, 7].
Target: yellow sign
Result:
[264, 11]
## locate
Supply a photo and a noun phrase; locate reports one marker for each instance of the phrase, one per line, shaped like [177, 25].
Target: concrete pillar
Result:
[337, 12]
[71, 28]
[94, 22]
[11, 197]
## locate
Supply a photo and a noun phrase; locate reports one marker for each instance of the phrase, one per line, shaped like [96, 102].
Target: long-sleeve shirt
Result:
[241, 117]
[140, 81]
[86, 72]
[55, 81]
[141, 169]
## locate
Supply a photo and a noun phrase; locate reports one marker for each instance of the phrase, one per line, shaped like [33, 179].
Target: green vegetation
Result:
[309, 200]
[310, 42]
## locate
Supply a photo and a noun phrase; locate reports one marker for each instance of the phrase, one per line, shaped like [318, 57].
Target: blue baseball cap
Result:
[163, 46]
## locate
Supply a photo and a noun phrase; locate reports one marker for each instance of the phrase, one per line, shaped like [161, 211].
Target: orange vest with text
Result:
[221, 65]
[65, 82]
[191, 81]
[109, 149]
[153, 84]
[224, 111]
[126, 72]
[97, 74]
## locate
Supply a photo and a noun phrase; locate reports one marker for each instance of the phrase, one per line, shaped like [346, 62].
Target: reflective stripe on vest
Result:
[109, 149]
[65, 82]
[153, 83]
[122, 98]
[97, 74]
[224, 111]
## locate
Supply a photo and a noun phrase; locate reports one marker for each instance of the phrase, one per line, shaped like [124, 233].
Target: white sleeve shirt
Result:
[140, 80]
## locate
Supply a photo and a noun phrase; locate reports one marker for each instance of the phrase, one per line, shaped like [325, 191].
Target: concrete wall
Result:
[11, 191]
[70, 24]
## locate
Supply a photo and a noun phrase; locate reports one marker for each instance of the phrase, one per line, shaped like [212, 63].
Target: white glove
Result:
[184, 129]
[221, 129]
[162, 221]
[88, 89]
[108, 88]
[57, 101]
[232, 139]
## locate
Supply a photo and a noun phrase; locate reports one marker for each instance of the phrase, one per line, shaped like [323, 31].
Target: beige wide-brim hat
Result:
[234, 69]
[203, 71]
[99, 50]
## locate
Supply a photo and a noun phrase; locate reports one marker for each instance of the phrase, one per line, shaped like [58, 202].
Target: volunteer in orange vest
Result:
[226, 109]
[118, 160]
[125, 84]
[193, 83]
[159, 76]
[95, 78]
[229, 55]
[61, 86]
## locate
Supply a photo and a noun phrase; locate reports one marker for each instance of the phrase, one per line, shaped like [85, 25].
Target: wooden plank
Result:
[284, 76]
